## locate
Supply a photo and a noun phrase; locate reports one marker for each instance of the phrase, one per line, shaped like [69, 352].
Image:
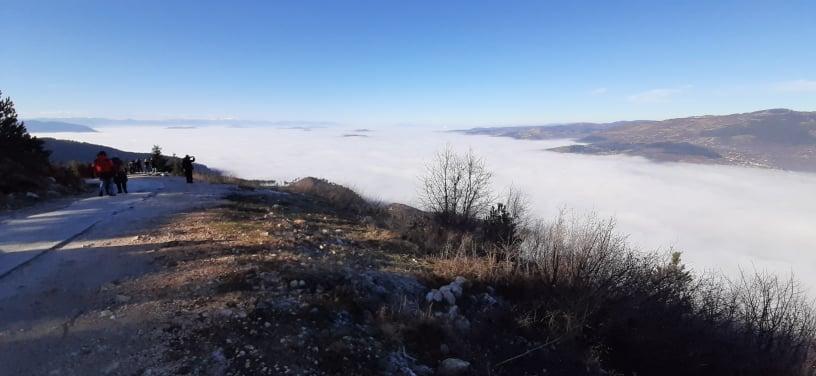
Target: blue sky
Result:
[407, 62]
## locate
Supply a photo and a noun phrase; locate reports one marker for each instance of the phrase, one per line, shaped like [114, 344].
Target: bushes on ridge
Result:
[456, 187]
[579, 282]
[23, 161]
[578, 285]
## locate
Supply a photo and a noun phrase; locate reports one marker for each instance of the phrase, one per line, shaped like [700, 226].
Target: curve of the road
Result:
[55, 259]
[22, 240]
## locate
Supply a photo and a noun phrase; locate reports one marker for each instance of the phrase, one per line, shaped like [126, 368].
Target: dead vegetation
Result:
[332, 194]
[316, 280]
[632, 312]
[219, 177]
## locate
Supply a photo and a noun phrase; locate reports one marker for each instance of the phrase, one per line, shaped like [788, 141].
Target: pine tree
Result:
[158, 160]
[24, 163]
[499, 226]
[175, 166]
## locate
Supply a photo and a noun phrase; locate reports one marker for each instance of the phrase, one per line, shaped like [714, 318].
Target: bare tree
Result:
[518, 205]
[456, 187]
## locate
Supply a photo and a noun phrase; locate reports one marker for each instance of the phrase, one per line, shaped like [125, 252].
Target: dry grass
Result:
[571, 297]
[222, 178]
[336, 195]
[577, 280]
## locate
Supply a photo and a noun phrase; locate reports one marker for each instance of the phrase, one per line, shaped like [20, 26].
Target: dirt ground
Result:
[259, 285]
[261, 282]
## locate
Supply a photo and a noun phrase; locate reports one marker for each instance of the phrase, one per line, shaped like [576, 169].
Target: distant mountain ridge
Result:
[774, 138]
[50, 126]
[187, 123]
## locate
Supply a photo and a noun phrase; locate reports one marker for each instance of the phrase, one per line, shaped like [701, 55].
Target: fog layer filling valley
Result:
[720, 217]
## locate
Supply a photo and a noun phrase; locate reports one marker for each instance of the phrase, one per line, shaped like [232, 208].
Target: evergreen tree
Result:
[499, 226]
[158, 160]
[175, 166]
[24, 163]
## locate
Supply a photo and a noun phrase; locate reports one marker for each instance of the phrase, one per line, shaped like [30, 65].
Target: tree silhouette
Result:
[24, 163]
[158, 160]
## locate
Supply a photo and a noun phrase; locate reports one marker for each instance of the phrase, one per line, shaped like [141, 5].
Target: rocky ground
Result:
[272, 283]
[269, 284]
[55, 195]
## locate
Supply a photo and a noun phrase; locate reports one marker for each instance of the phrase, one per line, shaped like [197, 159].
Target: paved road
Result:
[55, 261]
[24, 239]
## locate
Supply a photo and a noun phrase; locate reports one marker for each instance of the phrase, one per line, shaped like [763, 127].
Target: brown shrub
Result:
[336, 195]
[218, 177]
[68, 178]
[577, 280]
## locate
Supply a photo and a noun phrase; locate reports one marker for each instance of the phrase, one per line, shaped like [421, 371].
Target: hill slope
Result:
[63, 151]
[776, 138]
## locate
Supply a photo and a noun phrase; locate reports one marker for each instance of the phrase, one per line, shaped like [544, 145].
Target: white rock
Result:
[456, 289]
[453, 312]
[226, 312]
[453, 366]
[110, 368]
[448, 296]
[462, 324]
[488, 299]
[218, 356]
[433, 296]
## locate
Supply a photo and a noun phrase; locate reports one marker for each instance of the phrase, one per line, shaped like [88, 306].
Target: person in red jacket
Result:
[103, 169]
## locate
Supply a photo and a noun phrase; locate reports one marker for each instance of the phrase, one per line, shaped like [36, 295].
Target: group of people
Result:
[137, 166]
[110, 171]
[113, 171]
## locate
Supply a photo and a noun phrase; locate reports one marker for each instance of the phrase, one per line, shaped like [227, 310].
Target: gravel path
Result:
[53, 265]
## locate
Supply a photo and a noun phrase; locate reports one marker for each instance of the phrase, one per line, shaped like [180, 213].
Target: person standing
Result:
[103, 169]
[187, 166]
[120, 177]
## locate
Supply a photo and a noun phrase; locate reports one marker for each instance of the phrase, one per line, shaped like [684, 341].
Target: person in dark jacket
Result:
[120, 177]
[187, 167]
[103, 169]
